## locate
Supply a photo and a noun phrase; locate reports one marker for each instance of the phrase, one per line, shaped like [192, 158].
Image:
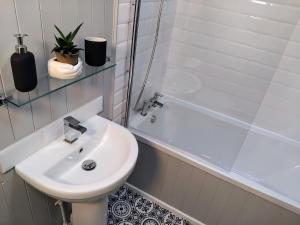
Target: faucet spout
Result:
[72, 129]
[152, 102]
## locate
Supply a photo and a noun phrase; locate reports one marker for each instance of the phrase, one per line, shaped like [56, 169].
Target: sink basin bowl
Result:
[57, 168]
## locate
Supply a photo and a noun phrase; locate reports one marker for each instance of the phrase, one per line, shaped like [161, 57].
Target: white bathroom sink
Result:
[57, 168]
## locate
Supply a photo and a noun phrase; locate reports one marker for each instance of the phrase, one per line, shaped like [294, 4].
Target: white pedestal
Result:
[91, 213]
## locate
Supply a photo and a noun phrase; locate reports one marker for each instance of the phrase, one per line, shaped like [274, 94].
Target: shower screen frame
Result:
[132, 59]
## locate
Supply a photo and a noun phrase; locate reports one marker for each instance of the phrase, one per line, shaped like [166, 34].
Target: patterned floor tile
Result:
[126, 207]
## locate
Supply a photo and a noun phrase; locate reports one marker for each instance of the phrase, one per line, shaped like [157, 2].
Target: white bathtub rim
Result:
[218, 172]
[136, 119]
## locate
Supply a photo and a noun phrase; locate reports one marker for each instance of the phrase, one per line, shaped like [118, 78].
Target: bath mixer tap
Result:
[152, 102]
[72, 129]
[146, 107]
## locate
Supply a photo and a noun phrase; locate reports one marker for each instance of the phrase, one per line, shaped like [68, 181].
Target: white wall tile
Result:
[120, 82]
[120, 68]
[120, 96]
[230, 51]
[239, 58]
[122, 51]
[124, 13]
[119, 109]
[122, 32]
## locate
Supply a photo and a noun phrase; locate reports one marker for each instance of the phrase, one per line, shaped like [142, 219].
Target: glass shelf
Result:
[47, 85]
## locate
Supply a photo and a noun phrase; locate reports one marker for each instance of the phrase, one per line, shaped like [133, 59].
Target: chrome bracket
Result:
[3, 99]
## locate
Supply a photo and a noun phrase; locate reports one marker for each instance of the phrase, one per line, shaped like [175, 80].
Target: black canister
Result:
[23, 67]
[95, 51]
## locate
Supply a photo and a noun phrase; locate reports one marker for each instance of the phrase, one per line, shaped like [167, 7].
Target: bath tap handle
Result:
[157, 95]
[157, 103]
[146, 107]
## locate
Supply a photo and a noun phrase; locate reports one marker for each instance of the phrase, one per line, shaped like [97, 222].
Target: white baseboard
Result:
[166, 206]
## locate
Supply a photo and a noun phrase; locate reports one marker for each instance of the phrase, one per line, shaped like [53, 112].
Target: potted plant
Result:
[65, 49]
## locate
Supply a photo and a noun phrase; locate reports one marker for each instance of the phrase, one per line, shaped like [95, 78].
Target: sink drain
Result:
[89, 165]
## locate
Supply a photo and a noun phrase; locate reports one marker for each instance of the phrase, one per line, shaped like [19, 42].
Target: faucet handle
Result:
[156, 95]
[71, 121]
[145, 103]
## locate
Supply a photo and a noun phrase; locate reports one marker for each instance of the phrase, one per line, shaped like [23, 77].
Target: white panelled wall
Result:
[37, 19]
[20, 203]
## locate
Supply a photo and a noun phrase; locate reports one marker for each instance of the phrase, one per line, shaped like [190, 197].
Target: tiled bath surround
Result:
[238, 58]
[228, 54]
[225, 54]
[147, 25]
[146, 35]
[125, 13]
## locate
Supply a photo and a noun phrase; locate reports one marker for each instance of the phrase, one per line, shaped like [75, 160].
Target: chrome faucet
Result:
[152, 102]
[72, 129]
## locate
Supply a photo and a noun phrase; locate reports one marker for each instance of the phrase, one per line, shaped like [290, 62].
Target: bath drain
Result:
[89, 165]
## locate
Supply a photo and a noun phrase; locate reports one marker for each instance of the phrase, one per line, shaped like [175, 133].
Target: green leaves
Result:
[75, 32]
[60, 32]
[65, 43]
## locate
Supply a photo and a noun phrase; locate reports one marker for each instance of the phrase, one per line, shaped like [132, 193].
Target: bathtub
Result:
[257, 160]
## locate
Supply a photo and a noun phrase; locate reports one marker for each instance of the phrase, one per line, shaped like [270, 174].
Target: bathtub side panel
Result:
[202, 195]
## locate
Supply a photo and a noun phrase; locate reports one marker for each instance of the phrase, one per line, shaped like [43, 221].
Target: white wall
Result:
[237, 57]
[221, 54]
[146, 35]
[125, 13]
[280, 109]
[20, 203]
[242, 58]
[147, 25]
[277, 157]
[224, 54]
[36, 18]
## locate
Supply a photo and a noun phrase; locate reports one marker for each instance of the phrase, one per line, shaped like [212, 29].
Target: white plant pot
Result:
[63, 70]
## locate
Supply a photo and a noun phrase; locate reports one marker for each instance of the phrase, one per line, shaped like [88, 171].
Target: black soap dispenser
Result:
[23, 66]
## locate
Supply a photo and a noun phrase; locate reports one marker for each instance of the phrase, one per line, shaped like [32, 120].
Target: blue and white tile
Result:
[126, 207]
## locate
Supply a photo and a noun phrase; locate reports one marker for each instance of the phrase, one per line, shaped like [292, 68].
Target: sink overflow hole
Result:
[89, 165]
[80, 150]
